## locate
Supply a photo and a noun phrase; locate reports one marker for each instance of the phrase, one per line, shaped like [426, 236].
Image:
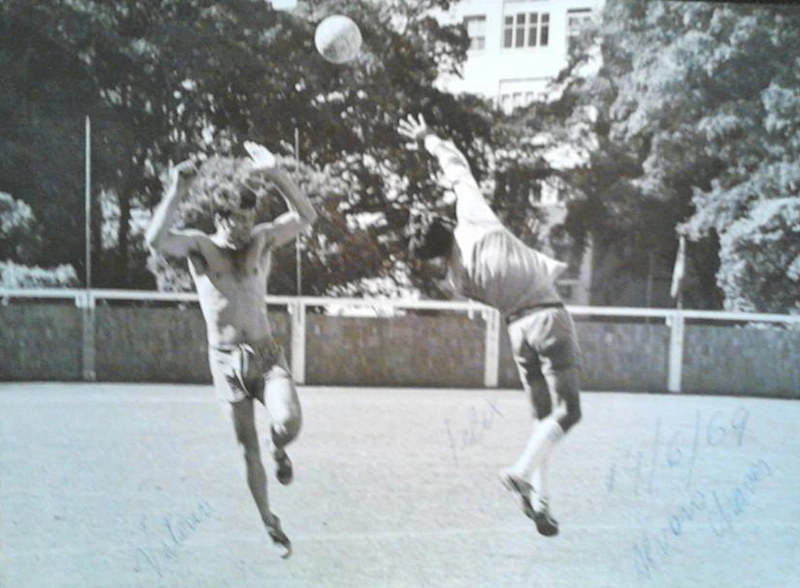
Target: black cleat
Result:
[545, 524]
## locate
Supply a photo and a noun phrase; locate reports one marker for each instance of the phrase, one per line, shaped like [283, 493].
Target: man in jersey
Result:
[480, 259]
[230, 269]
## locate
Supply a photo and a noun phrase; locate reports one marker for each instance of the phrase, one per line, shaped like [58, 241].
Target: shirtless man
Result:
[478, 258]
[230, 269]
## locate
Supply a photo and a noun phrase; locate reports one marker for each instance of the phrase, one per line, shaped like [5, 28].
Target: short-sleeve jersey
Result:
[491, 265]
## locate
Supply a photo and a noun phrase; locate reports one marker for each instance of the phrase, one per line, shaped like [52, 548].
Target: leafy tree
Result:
[15, 275]
[19, 241]
[18, 236]
[694, 119]
[169, 78]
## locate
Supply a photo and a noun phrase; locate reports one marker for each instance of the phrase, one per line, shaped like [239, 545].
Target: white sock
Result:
[541, 487]
[541, 442]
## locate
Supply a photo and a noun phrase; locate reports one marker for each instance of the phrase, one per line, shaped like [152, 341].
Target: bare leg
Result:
[243, 416]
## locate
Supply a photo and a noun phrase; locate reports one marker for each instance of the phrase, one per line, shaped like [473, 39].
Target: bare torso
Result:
[231, 285]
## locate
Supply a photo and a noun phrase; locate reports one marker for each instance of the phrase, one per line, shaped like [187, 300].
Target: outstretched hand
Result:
[413, 129]
[261, 157]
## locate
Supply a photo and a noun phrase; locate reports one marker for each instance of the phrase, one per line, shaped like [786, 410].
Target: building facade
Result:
[516, 46]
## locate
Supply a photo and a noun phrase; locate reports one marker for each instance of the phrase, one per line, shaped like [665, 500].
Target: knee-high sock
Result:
[541, 442]
[541, 487]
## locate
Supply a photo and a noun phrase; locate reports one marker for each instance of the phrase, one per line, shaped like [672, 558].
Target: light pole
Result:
[88, 203]
[298, 259]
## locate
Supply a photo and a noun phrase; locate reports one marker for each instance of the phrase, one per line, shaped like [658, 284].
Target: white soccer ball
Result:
[338, 39]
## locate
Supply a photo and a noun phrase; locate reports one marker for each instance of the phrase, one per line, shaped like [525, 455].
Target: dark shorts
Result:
[544, 342]
[241, 371]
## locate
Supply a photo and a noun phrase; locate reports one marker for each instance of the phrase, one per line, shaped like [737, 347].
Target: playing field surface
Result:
[106, 486]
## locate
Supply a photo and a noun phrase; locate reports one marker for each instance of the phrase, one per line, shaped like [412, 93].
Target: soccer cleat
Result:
[545, 524]
[279, 538]
[283, 467]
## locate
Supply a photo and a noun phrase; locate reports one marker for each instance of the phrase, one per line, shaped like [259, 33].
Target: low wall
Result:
[436, 351]
[762, 361]
[43, 340]
[616, 356]
[167, 344]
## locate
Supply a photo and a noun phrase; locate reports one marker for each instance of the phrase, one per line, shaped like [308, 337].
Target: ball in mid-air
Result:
[338, 39]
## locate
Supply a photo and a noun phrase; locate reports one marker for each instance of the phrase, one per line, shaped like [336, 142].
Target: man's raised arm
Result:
[301, 212]
[159, 235]
[470, 203]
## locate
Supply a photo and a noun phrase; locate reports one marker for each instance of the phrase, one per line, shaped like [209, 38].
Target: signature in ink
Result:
[720, 509]
[175, 531]
[671, 455]
[471, 430]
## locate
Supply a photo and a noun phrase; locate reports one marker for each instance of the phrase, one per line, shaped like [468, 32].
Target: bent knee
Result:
[285, 430]
[571, 418]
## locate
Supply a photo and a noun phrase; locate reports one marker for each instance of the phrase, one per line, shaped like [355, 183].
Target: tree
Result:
[18, 236]
[19, 241]
[171, 78]
[695, 117]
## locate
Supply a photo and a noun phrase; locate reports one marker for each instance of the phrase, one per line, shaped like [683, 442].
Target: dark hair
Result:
[430, 236]
[228, 199]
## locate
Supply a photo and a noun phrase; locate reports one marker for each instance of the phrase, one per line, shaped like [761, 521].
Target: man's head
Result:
[235, 214]
[430, 238]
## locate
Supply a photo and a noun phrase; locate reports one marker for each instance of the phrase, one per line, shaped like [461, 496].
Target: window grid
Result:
[526, 30]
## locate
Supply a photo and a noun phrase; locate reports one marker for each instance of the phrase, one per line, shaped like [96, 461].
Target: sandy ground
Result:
[141, 485]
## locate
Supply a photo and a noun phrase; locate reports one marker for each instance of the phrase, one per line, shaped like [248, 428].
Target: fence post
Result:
[297, 309]
[491, 368]
[85, 301]
[676, 336]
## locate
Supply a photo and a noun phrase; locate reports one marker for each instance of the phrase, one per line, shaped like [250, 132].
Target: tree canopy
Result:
[166, 79]
[693, 129]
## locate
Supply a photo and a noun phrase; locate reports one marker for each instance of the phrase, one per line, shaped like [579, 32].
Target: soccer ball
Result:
[338, 39]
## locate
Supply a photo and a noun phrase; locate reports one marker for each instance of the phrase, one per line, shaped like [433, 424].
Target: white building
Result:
[517, 46]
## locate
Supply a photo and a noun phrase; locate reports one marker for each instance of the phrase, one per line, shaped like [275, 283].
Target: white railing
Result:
[297, 308]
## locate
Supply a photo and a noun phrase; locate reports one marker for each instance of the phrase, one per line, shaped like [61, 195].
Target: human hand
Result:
[412, 129]
[261, 157]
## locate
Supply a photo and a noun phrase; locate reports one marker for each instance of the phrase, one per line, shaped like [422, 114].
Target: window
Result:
[476, 30]
[544, 30]
[508, 31]
[519, 32]
[526, 30]
[577, 19]
[533, 24]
